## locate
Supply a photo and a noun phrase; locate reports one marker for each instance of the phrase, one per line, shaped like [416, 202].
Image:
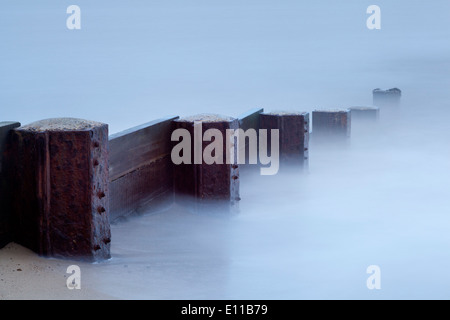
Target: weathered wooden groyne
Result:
[63, 181]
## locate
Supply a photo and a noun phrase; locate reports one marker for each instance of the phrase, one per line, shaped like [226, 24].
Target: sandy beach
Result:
[25, 275]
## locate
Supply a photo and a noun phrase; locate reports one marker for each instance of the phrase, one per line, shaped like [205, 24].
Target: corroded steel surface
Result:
[61, 192]
[293, 135]
[331, 124]
[207, 183]
[5, 176]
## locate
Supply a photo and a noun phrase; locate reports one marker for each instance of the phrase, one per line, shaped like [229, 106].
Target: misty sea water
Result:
[382, 201]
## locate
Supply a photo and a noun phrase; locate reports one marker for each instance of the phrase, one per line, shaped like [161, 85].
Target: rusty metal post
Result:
[386, 98]
[293, 135]
[6, 175]
[61, 198]
[331, 126]
[207, 186]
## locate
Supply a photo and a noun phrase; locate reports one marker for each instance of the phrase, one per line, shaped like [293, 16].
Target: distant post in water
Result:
[386, 98]
[364, 119]
[365, 114]
[61, 198]
[6, 176]
[331, 126]
[293, 135]
[198, 183]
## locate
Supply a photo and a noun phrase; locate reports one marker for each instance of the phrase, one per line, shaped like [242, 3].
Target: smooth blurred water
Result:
[132, 63]
[383, 200]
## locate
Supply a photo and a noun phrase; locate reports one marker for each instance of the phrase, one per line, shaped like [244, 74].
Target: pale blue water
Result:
[384, 201]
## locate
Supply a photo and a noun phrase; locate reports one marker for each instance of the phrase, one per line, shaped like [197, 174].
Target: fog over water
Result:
[382, 200]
